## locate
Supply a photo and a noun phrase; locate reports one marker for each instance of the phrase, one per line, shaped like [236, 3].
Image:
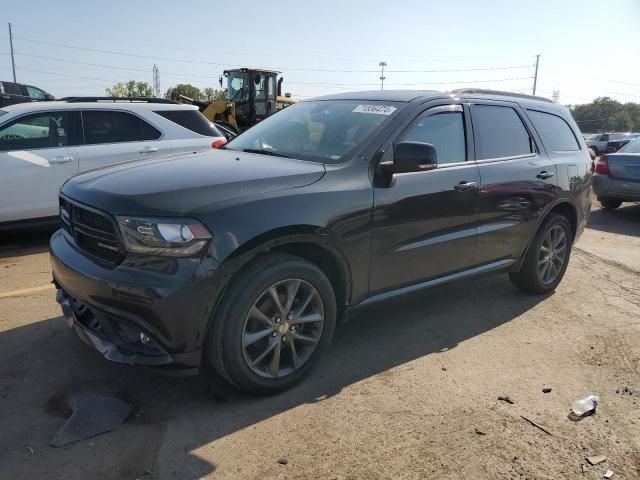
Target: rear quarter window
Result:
[192, 120]
[555, 131]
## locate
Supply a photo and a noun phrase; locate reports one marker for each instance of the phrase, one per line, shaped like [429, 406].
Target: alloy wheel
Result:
[553, 254]
[283, 328]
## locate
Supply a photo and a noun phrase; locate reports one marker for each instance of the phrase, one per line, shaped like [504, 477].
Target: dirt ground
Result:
[409, 389]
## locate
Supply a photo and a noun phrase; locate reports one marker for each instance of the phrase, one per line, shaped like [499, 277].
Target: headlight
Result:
[172, 237]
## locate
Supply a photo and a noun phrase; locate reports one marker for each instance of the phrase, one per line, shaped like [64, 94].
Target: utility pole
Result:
[13, 62]
[382, 77]
[156, 81]
[535, 76]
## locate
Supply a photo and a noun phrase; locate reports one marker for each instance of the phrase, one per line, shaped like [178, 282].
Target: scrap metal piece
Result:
[92, 414]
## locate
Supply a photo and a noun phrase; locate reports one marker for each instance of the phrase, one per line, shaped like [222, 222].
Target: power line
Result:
[330, 70]
[407, 84]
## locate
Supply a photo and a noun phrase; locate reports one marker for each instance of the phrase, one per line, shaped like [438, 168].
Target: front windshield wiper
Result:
[265, 152]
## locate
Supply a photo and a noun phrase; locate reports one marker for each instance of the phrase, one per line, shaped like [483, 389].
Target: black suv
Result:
[246, 257]
[12, 93]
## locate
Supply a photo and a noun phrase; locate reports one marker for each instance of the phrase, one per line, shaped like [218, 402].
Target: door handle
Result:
[465, 186]
[543, 175]
[148, 150]
[61, 159]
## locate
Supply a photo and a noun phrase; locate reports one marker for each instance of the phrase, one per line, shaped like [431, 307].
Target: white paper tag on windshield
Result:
[377, 109]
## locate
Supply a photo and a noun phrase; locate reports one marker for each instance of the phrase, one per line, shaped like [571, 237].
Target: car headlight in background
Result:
[171, 237]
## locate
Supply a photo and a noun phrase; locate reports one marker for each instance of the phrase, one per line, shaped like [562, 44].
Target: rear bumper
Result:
[145, 311]
[605, 186]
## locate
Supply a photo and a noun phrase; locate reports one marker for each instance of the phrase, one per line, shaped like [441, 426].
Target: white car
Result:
[43, 144]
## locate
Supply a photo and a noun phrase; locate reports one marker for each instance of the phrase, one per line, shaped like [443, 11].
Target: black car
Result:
[11, 93]
[247, 257]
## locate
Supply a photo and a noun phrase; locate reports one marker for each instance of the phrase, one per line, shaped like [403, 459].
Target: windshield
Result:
[237, 86]
[631, 147]
[325, 131]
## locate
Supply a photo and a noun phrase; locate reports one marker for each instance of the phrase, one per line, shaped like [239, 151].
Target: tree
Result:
[211, 94]
[131, 88]
[185, 89]
[605, 114]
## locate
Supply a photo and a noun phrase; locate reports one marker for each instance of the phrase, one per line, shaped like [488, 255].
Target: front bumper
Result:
[613, 188]
[144, 311]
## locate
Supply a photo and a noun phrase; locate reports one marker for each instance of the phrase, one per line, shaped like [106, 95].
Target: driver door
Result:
[424, 223]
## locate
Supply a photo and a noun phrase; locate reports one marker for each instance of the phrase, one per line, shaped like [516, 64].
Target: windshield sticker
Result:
[376, 109]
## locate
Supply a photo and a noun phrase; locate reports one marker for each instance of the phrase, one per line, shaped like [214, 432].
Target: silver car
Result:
[616, 177]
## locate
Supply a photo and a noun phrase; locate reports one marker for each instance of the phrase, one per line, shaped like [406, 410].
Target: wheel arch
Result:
[312, 243]
[565, 208]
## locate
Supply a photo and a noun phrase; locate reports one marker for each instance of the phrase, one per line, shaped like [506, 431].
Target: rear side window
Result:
[499, 132]
[39, 130]
[192, 120]
[555, 132]
[101, 126]
[445, 131]
[12, 88]
[35, 93]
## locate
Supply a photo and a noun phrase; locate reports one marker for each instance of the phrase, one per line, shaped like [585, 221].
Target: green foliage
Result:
[130, 89]
[211, 94]
[185, 89]
[607, 115]
[207, 95]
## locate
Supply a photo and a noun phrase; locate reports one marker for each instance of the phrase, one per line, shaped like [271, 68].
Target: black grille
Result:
[94, 232]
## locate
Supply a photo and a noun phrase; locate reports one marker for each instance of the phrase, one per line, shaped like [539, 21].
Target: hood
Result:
[178, 185]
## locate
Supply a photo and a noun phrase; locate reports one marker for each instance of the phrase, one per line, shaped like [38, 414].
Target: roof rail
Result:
[118, 99]
[499, 92]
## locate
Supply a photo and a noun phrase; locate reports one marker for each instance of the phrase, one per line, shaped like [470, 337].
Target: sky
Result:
[587, 48]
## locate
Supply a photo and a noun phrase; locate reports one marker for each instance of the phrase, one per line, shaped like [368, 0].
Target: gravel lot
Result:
[409, 389]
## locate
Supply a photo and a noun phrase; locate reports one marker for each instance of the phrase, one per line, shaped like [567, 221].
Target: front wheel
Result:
[275, 321]
[609, 204]
[547, 258]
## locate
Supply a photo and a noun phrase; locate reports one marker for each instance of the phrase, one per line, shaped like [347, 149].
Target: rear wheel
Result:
[275, 321]
[610, 204]
[547, 258]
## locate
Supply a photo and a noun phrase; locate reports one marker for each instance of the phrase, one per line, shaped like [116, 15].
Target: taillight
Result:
[602, 165]
[218, 143]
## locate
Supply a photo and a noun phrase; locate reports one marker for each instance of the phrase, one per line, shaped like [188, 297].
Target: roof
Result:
[384, 95]
[424, 95]
[60, 105]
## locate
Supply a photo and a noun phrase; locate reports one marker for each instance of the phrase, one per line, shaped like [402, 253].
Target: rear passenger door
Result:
[113, 136]
[518, 180]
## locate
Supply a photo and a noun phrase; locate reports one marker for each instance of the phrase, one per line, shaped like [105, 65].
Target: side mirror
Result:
[48, 96]
[414, 157]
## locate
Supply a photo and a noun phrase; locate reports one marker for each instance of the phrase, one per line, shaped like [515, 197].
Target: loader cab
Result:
[254, 93]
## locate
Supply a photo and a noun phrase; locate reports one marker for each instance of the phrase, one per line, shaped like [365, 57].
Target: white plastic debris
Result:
[608, 474]
[585, 406]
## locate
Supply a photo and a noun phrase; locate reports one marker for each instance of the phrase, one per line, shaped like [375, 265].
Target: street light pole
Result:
[382, 77]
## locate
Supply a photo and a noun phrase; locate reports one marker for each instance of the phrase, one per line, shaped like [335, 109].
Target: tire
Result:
[593, 153]
[610, 204]
[249, 323]
[532, 277]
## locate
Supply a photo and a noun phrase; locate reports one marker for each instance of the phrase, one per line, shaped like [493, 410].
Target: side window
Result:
[190, 119]
[445, 131]
[35, 93]
[555, 131]
[39, 130]
[499, 132]
[604, 138]
[101, 126]
[148, 132]
[12, 88]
